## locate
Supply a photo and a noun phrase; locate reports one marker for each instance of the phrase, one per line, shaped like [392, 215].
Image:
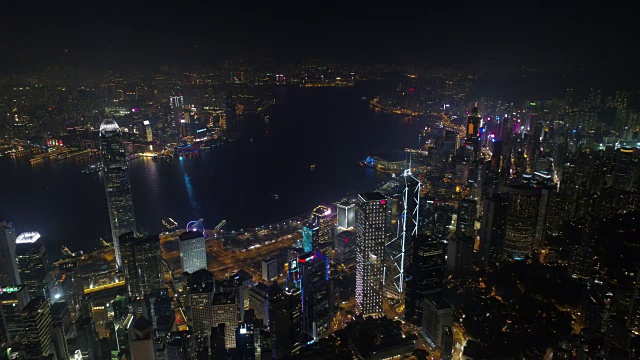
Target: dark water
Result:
[332, 128]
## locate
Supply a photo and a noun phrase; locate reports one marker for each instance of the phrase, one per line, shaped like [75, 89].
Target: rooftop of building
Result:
[224, 298]
[438, 302]
[371, 196]
[190, 235]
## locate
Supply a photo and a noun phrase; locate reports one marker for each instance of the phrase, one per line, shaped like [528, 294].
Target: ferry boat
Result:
[312, 166]
[274, 196]
[169, 223]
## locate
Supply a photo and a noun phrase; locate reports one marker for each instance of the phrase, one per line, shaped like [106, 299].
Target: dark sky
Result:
[210, 31]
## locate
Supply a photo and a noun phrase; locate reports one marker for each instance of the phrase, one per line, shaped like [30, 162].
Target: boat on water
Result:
[169, 223]
[312, 166]
[68, 252]
[274, 196]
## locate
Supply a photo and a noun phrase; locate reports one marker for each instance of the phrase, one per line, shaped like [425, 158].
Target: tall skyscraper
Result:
[148, 134]
[370, 229]
[285, 317]
[13, 299]
[425, 276]
[310, 233]
[142, 263]
[346, 216]
[193, 252]
[466, 218]
[226, 310]
[9, 274]
[200, 289]
[321, 217]
[32, 264]
[473, 129]
[36, 322]
[116, 182]
[316, 294]
[345, 247]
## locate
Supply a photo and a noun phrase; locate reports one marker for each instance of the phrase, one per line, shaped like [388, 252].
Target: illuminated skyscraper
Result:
[32, 264]
[315, 288]
[147, 130]
[13, 299]
[521, 221]
[116, 181]
[9, 274]
[346, 216]
[371, 220]
[310, 233]
[322, 219]
[473, 129]
[193, 253]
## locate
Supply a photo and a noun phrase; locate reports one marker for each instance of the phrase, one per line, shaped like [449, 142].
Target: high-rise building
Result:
[436, 316]
[259, 302]
[466, 218]
[473, 131]
[322, 218]
[346, 215]
[248, 338]
[371, 221]
[285, 315]
[180, 345]
[193, 252]
[460, 255]
[310, 233]
[141, 342]
[9, 274]
[200, 289]
[226, 310]
[13, 299]
[32, 264]
[148, 134]
[345, 247]
[60, 327]
[116, 182]
[521, 221]
[316, 294]
[493, 227]
[270, 269]
[36, 322]
[425, 275]
[142, 263]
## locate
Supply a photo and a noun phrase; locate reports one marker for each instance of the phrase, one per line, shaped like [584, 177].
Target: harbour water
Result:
[330, 128]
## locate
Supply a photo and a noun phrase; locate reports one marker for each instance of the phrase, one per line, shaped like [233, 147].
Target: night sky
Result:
[447, 32]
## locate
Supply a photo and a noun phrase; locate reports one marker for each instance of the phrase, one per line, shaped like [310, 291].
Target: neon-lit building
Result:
[346, 216]
[193, 253]
[316, 290]
[371, 220]
[310, 234]
[31, 257]
[12, 300]
[116, 182]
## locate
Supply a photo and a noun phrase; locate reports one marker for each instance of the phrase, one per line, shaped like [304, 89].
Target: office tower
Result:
[436, 316]
[217, 342]
[521, 221]
[460, 255]
[116, 182]
[248, 338]
[315, 289]
[199, 293]
[270, 269]
[142, 263]
[425, 275]
[466, 218]
[193, 253]
[32, 264]
[13, 299]
[141, 343]
[310, 233]
[345, 247]
[180, 345]
[226, 310]
[370, 241]
[36, 322]
[259, 302]
[230, 110]
[9, 274]
[494, 218]
[60, 327]
[322, 218]
[239, 284]
[446, 344]
[177, 102]
[346, 215]
[285, 315]
[147, 130]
